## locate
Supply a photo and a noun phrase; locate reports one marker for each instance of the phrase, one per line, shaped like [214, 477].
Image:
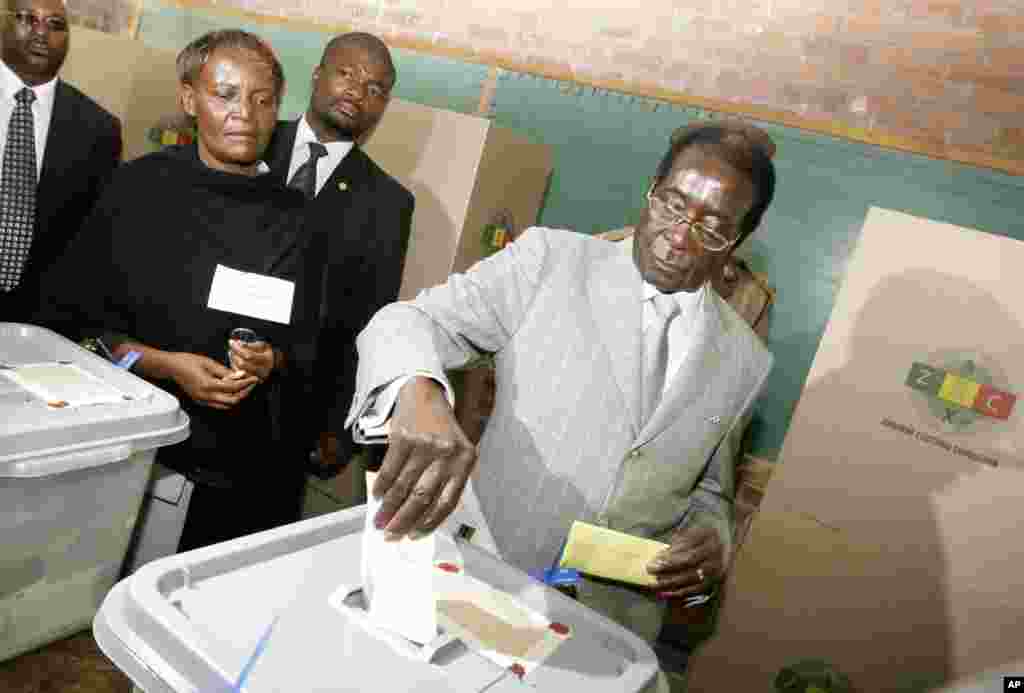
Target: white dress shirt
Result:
[42, 110]
[336, 151]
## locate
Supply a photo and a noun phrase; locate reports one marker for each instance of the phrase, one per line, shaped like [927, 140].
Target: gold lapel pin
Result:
[342, 186]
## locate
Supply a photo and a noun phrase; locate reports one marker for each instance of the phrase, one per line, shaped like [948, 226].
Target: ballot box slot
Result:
[442, 650]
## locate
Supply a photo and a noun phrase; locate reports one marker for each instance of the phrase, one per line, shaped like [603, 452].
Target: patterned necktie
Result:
[18, 191]
[656, 350]
[304, 179]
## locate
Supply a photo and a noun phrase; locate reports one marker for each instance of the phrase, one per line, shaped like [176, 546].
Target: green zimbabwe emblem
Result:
[964, 392]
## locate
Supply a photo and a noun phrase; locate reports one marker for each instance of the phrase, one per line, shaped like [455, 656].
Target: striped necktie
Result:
[656, 350]
[18, 191]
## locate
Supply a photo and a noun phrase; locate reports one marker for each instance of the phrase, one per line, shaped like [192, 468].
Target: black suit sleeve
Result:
[106, 156]
[391, 259]
[379, 281]
[111, 149]
[76, 288]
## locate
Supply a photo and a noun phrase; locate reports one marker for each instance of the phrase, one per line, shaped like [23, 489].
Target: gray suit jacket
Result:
[562, 314]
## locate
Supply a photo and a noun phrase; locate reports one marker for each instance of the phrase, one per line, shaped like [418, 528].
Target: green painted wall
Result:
[606, 146]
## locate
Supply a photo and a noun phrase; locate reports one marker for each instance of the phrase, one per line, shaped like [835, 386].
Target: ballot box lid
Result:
[198, 621]
[108, 414]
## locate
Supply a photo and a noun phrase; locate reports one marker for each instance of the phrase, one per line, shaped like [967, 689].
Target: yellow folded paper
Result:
[609, 554]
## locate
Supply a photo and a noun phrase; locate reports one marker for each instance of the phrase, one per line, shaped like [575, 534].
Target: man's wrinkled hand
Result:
[428, 462]
[208, 382]
[693, 564]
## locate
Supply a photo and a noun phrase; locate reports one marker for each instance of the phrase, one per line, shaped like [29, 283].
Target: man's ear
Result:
[187, 98]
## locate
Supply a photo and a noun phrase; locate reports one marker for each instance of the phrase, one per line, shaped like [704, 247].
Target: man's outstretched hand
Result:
[428, 462]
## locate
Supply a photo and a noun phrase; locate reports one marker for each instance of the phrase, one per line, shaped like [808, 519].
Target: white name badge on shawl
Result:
[252, 295]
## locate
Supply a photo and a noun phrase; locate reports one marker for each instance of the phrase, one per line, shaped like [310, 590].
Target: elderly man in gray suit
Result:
[619, 374]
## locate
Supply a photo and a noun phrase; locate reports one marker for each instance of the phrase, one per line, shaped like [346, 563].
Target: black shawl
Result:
[143, 265]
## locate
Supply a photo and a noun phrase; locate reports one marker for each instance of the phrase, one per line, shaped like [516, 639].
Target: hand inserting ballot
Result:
[427, 465]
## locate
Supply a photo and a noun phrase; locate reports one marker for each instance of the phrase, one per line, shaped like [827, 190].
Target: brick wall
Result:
[944, 77]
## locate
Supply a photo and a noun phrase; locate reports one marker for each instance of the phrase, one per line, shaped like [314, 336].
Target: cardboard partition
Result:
[885, 542]
[890, 617]
[802, 591]
[136, 83]
[464, 172]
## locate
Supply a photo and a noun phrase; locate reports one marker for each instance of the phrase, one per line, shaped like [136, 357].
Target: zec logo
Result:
[962, 392]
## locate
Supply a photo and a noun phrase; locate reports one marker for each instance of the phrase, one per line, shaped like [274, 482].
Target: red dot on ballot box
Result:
[559, 628]
[518, 670]
[448, 567]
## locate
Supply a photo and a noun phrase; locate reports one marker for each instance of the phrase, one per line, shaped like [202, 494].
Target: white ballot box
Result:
[77, 441]
[886, 544]
[282, 610]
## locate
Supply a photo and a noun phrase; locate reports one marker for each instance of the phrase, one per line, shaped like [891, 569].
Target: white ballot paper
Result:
[254, 295]
[398, 579]
[64, 385]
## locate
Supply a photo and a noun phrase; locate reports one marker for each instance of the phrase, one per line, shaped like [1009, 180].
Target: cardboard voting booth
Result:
[886, 545]
[465, 172]
[77, 441]
[136, 83]
[282, 611]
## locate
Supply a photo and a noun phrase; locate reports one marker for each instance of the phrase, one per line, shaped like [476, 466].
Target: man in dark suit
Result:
[59, 147]
[366, 213]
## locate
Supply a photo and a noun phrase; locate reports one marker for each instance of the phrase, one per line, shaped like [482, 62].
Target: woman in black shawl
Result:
[144, 264]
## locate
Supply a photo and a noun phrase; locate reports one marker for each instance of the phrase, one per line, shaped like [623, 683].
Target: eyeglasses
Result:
[30, 21]
[675, 215]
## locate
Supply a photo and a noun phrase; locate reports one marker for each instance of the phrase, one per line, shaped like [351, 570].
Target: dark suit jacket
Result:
[83, 147]
[368, 224]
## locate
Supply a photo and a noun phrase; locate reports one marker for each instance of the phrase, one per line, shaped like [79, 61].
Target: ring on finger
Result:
[700, 574]
[428, 513]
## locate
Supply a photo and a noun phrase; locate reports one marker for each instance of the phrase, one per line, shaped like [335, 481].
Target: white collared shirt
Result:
[336, 151]
[42, 110]
[680, 329]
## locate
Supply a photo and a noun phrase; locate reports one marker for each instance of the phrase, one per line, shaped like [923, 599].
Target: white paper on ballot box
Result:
[64, 384]
[315, 648]
[415, 589]
[398, 579]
